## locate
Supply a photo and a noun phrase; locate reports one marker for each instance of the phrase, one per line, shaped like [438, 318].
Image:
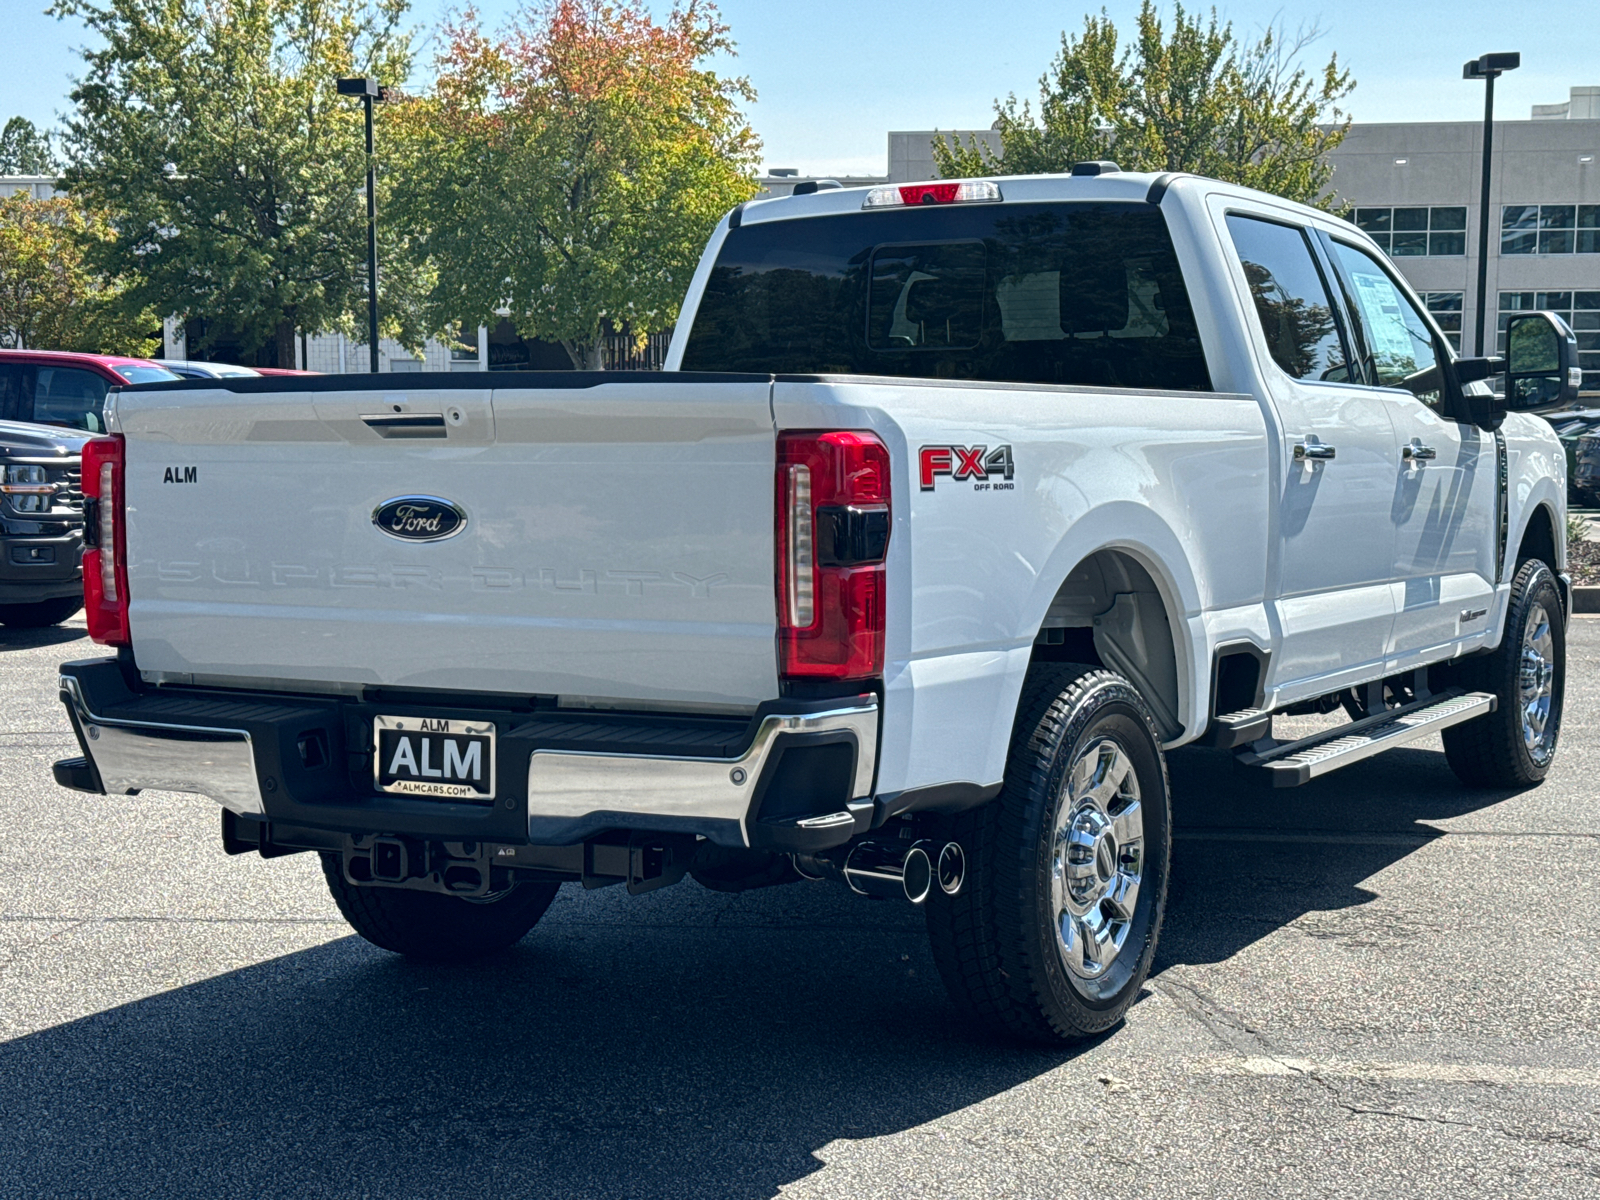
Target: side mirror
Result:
[1542, 370]
[1486, 411]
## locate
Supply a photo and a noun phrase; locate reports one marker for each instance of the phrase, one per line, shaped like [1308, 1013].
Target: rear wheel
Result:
[39, 614]
[1055, 929]
[433, 927]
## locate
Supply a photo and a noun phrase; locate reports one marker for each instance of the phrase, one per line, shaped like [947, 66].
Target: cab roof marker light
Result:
[974, 191]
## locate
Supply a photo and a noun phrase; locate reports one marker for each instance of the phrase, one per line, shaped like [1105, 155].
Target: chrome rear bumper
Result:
[568, 785]
[240, 751]
[130, 756]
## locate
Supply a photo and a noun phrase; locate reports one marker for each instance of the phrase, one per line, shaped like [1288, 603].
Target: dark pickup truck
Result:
[41, 524]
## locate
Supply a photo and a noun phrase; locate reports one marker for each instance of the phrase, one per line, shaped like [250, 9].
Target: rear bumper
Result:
[796, 776]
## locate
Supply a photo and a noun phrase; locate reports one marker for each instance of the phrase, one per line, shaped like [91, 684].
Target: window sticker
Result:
[1386, 323]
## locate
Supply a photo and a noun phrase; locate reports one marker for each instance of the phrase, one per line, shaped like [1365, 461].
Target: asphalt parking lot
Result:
[1376, 985]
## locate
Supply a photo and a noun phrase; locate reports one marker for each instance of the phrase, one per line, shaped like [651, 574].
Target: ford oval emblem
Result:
[419, 518]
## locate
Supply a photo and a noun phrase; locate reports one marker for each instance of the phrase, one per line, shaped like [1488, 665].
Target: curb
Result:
[1586, 599]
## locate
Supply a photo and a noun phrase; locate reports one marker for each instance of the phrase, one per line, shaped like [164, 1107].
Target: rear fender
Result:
[1137, 532]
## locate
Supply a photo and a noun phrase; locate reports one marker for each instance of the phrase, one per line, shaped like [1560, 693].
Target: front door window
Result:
[1397, 340]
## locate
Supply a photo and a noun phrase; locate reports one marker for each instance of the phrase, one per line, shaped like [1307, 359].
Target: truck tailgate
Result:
[617, 540]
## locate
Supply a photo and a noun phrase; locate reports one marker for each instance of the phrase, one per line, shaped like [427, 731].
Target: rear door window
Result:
[1292, 300]
[1074, 293]
[71, 397]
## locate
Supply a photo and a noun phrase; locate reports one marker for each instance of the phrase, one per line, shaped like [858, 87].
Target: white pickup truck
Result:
[957, 506]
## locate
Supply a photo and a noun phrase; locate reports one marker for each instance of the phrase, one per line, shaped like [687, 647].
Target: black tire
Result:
[433, 927]
[40, 614]
[996, 942]
[1494, 751]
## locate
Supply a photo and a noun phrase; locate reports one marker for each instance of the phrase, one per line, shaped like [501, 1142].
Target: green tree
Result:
[570, 169]
[24, 150]
[1196, 99]
[51, 298]
[212, 130]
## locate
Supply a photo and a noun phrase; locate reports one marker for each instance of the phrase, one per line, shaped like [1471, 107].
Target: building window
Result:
[1410, 232]
[1550, 229]
[1445, 309]
[1581, 310]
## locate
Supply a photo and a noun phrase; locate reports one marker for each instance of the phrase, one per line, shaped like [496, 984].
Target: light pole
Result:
[1488, 68]
[369, 91]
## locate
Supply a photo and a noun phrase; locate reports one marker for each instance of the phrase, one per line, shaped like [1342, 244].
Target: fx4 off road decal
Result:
[986, 467]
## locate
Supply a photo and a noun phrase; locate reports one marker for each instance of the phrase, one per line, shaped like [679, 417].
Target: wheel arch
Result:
[1130, 595]
[1542, 538]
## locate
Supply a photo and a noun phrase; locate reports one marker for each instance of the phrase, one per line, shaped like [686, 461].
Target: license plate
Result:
[432, 756]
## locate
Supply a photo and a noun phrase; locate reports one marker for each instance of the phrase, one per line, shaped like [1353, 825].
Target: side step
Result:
[1239, 728]
[1292, 763]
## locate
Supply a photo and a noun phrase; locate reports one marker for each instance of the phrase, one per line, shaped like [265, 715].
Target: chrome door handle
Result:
[1314, 451]
[1416, 452]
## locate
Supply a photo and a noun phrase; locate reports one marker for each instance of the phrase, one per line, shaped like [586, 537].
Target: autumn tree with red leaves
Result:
[570, 168]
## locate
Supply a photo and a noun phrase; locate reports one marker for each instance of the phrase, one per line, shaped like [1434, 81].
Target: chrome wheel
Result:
[1536, 676]
[1098, 860]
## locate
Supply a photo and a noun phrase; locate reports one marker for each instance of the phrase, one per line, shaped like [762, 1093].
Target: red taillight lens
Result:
[833, 534]
[105, 562]
[973, 191]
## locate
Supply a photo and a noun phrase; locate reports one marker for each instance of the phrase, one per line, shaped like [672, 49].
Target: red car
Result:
[57, 387]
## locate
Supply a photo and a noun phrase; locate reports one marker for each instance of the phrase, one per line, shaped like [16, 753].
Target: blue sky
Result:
[833, 76]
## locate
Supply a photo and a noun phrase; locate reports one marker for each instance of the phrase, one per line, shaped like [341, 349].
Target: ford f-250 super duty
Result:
[957, 506]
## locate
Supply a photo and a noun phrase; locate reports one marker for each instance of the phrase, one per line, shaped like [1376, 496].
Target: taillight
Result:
[973, 191]
[833, 533]
[105, 561]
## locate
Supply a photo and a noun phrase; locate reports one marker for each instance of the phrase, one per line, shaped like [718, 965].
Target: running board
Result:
[1239, 728]
[1293, 763]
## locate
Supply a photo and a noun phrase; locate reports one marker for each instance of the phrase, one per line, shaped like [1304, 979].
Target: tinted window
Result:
[1396, 340]
[70, 397]
[1291, 298]
[1036, 293]
[14, 404]
[926, 296]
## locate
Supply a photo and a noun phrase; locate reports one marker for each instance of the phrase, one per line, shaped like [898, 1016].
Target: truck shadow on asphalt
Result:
[1248, 860]
[682, 1044]
[51, 635]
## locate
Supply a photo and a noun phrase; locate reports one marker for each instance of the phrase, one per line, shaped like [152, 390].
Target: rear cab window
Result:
[138, 374]
[1069, 292]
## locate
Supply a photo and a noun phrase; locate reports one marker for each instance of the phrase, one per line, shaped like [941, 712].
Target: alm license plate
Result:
[432, 756]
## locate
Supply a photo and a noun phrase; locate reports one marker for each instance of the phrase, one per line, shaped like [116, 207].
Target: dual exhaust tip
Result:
[897, 869]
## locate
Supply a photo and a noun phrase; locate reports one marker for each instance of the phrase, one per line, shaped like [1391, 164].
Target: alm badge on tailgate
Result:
[434, 756]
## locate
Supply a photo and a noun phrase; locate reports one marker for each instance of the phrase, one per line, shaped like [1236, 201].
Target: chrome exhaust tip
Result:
[892, 868]
[916, 874]
[952, 868]
[889, 869]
